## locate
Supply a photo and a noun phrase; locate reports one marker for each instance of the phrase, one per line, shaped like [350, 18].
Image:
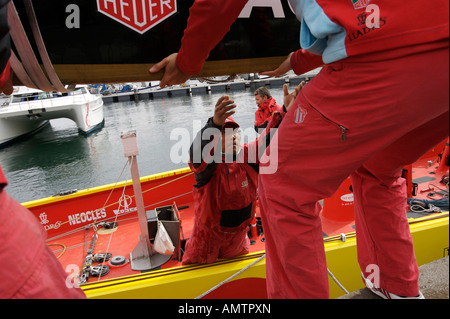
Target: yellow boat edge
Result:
[430, 235]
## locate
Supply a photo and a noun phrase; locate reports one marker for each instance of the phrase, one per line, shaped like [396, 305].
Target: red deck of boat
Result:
[121, 242]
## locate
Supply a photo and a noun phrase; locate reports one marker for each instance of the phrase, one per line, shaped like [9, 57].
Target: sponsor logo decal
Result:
[360, 4]
[138, 15]
[300, 115]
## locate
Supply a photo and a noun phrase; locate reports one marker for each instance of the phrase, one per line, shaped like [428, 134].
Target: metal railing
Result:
[44, 101]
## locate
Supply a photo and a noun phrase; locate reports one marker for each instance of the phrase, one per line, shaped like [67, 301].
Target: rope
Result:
[110, 237]
[174, 180]
[425, 206]
[112, 204]
[231, 277]
[92, 212]
[167, 199]
[211, 80]
[63, 247]
[93, 224]
[150, 189]
[117, 181]
[337, 281]
[110, 218]
[252, 264]
[415, 208]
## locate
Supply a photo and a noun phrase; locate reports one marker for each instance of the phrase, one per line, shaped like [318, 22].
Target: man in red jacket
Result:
[225, 194]
[226, 173]
[267, 106]
[379, 103]
[30, 269]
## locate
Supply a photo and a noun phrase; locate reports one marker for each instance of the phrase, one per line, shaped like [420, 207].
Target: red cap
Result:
[230, 122]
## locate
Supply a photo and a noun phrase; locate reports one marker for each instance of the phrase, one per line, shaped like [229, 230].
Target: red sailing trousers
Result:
[361, 119]
[29, 268]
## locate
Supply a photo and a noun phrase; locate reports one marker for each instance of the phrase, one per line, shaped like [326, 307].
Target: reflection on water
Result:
[58, 158]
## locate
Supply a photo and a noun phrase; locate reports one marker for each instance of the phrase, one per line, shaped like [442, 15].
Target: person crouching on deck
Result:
[227, 179]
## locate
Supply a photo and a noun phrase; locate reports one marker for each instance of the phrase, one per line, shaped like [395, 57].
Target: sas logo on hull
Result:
[138, 15]
[360, 4]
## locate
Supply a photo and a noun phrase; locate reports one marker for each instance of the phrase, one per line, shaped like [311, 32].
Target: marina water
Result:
[58, 158]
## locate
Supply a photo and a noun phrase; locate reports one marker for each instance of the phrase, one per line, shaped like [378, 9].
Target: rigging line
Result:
[252, 264]
[231, 277]
[112, 204]
[150, 189]
[112, 190]
[117, 215]
[111, 235]
[440, 188]
[104, 205]
[115, 220]
[109, 218]
[337, 281]
[63, 248]
[117, 181]
[166, 183]
[167, 199]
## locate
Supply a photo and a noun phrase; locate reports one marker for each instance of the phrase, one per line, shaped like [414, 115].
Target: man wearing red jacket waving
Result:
[226, 175]
[379, 103]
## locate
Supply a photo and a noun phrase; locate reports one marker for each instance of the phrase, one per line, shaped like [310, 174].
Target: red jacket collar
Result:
[268, 104]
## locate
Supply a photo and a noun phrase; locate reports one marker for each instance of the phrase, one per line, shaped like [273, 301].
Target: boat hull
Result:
[72, 213]
[89, 116]
[12, 130]
[19, 119]
[431, 240]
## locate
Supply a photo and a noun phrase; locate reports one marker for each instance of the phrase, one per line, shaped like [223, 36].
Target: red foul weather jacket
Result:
[342, 31]
[30, 269]
[225, 192]
[264, 113]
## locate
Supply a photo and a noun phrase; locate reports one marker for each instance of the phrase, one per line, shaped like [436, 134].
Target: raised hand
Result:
[172, 74]
[284, 68]
[289, 98]
[224, 108]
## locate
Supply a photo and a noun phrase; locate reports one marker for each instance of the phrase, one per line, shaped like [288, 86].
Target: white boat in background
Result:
[27, 110]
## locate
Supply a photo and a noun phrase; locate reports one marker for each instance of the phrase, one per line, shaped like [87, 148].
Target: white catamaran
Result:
[27, 110]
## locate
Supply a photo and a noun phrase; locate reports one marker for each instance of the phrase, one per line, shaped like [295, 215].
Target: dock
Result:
[433, 282]
[207, 88]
